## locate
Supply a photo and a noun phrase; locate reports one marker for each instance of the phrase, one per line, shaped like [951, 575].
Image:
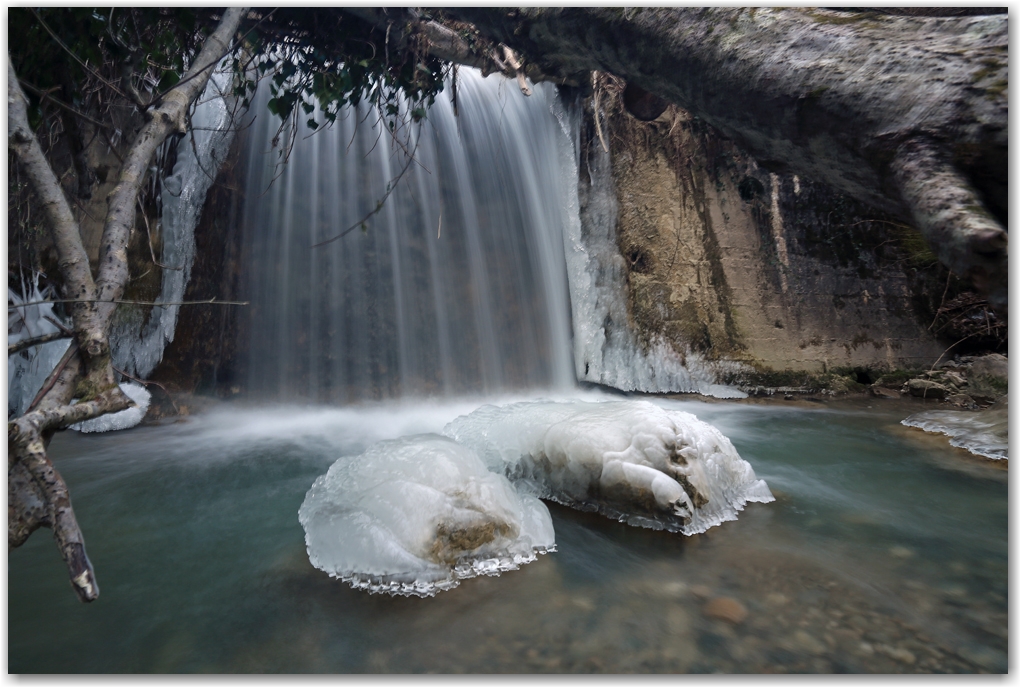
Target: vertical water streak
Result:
[403, 306]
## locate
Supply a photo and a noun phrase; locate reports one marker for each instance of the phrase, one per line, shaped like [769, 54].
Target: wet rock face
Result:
[989, 373]
[967, 382]
[738, 262]
[925, 388]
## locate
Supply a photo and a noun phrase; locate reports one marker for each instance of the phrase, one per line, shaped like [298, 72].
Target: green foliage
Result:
[326, 58]
[153, 44]
[311, 57]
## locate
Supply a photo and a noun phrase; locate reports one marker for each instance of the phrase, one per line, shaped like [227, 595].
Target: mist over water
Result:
[875, 538]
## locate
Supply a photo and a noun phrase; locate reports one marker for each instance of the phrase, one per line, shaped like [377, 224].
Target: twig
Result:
[230, 48]
[46, 95]
[942, 302]
[59, 325]
[378, 206]
[112, 147]
[148, 233]
[142, 381]
[81, 207]
[140, 105]
[935, 364]
[35, 341]
[211, 301]
[71, 351]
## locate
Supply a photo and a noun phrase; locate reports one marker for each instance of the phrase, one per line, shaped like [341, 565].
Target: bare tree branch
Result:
[35, 341]
[37, 494]
[73, 260]
[167, 117]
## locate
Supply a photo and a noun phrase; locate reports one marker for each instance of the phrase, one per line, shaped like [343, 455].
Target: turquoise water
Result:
[886, 551]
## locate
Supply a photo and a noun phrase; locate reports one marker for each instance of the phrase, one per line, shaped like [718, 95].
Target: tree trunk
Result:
[37, 494]
[907, 114]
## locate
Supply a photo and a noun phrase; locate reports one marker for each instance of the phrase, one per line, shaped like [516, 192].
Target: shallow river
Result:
[885, 551]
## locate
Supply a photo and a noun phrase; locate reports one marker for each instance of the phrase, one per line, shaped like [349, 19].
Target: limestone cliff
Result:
[732, 261]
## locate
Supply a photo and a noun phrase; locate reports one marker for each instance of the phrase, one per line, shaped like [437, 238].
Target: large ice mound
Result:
[414, 516]
[124, 419]
[630, 460]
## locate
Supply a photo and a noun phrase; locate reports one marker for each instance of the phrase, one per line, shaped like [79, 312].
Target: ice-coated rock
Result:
[630, 460]
[983, 433]
[414, 516]
[129, 417]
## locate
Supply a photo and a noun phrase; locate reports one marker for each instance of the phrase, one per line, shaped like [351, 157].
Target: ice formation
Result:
[137, 343]
[630, 460]
[982, 433]
[414, 516]
[129, 417]
[606, 349]
[28, 369]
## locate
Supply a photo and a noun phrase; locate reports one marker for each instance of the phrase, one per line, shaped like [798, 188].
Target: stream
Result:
[885, 551]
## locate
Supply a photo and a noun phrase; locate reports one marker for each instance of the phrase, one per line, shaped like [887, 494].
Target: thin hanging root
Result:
[515, 64]
[953, 220]
[595, 109]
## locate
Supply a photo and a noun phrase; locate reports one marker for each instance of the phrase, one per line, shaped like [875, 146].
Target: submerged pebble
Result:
[725, 608]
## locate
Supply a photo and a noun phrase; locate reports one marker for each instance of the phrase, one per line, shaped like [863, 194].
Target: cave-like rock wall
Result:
[737, 262]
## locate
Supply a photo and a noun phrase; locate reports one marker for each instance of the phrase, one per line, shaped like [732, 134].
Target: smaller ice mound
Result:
[983, 433]
[414, 516]
[629, 460]
[129, 417]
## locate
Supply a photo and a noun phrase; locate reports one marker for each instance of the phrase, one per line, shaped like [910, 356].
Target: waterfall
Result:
[456, 285]
[485, 269]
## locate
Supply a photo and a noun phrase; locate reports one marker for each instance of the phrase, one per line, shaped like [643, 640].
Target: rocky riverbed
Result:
[713, 606]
